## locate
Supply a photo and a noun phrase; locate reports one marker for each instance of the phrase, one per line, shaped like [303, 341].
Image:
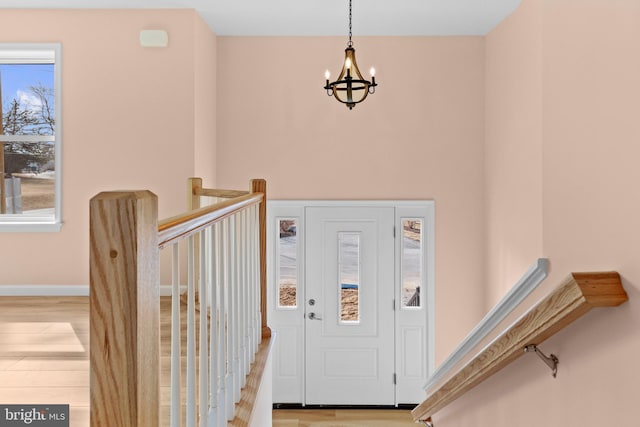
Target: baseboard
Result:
[60, 290]
[44, 290]
[401, 406]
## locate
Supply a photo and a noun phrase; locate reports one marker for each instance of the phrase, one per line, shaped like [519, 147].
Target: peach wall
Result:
[589, 132]
[204, 70]
[591, 193]
[419, 137]
[128, 124]
[513, 149]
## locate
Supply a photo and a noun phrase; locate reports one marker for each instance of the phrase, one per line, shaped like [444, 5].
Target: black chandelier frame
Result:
[350, 82]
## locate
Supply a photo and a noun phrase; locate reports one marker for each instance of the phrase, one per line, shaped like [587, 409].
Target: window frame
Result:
[34, 53]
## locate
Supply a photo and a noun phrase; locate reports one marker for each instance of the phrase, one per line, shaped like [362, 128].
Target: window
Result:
[411, 266]
[30, 198]
[349, 281]
[288, 263]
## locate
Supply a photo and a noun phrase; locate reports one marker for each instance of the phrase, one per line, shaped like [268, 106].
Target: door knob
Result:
[312, 316]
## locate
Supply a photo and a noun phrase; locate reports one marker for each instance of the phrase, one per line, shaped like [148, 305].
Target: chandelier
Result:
[350, 88]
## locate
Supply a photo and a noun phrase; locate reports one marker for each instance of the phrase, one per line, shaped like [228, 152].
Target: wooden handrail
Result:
[181, 226]
[225, 194]
[197, 190]
[578, 294]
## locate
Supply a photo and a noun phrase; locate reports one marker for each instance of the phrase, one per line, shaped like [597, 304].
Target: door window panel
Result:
[411, 266]
[349, 280]
[288, 263]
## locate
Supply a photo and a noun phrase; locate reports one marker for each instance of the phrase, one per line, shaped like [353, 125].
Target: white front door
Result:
[349, 306]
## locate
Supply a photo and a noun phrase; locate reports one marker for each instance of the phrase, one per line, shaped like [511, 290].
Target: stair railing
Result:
[225, 308]
[574, 297]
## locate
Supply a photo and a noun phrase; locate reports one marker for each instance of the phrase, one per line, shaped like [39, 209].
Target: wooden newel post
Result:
[194, 185]
[124, 310]
[260, 186]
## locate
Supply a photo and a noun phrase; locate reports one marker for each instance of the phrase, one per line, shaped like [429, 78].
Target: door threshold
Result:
[403, 406]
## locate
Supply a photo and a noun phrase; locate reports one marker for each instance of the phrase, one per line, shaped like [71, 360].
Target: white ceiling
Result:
[319, 17]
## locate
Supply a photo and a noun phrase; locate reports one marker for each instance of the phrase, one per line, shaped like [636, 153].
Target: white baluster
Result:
[175, 411]
[248, 268]
[252, 347]
[229, 250]
[212, 274]
[241, 309]
[255, 281]
[256, 285]
[221, 243]
[252, 280]
[237, 382]
[203, 373]
[246, 299]
[191, 337]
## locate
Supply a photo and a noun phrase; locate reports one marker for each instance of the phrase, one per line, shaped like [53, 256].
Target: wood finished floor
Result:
[44, 353]
[342, 418]
[44, 358]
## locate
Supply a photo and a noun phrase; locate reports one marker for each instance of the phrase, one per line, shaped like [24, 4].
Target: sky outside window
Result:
[17, 80]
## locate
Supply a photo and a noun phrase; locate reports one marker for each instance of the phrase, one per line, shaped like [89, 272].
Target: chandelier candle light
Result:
[350, 88]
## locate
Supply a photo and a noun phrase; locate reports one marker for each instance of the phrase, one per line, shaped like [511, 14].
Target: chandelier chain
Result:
[350, 42]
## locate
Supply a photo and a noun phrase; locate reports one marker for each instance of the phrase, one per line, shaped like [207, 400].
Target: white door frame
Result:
[414, 329]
